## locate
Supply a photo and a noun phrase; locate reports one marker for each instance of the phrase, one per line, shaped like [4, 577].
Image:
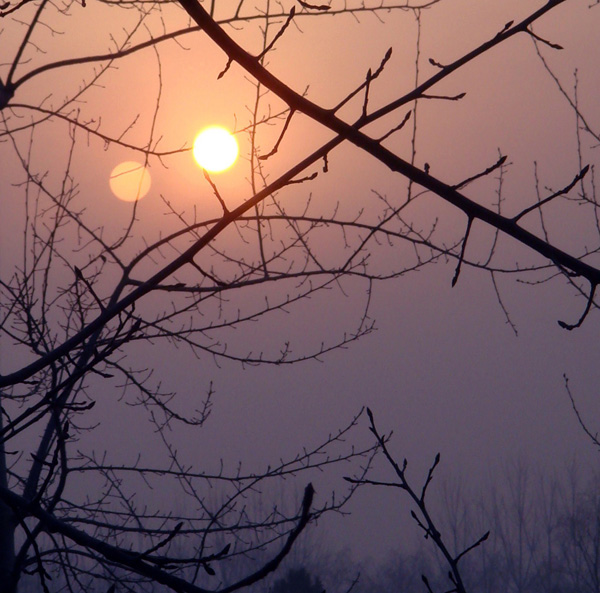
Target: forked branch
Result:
[422, 516]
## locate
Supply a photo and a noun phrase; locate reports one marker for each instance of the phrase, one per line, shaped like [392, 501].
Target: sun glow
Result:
[130, 181]
[215, 149]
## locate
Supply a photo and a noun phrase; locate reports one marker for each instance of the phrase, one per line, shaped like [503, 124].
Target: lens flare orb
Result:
[130, 181]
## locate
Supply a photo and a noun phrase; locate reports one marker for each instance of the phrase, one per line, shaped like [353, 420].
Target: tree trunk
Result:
[8, 578]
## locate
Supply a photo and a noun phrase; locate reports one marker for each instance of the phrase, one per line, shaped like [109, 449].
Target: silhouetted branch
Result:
[215, 191]
[308, 6]
[593, 436]
[368, 80]
[278, 35]
[264, 157]
[70, 333]
[141, 563]
[545, 41]
[395, 163]
[588, 307]
[560, 192]
[462, 252]
[485, 173]
[424, 518]
[444, 97]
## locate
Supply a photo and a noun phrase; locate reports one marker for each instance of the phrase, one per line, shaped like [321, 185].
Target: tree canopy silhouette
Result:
[85, 287]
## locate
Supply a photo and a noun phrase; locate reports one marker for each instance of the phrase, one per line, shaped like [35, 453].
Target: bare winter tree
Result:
[79, 295]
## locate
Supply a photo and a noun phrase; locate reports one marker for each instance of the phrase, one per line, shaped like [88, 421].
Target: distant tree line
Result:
[544, 538]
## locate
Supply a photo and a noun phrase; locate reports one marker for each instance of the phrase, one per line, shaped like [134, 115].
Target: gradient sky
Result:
[443, 370]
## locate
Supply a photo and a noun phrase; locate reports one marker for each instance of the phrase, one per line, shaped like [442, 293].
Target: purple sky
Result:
[443, 370]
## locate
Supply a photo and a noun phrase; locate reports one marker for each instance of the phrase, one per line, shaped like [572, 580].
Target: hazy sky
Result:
[443, 369]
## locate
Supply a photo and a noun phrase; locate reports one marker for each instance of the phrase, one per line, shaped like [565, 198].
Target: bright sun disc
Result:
[215, 149]
[130, 181]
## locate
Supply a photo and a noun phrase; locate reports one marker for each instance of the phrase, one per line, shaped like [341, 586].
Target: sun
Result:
[215, 149]
[130, 181]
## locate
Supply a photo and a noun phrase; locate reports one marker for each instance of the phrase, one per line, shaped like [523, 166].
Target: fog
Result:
[475, 372]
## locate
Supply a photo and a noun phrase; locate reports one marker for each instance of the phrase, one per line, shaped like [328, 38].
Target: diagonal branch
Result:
[345, 131]
[353, 134]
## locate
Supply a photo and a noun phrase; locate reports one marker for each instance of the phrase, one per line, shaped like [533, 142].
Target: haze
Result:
[444, 368]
